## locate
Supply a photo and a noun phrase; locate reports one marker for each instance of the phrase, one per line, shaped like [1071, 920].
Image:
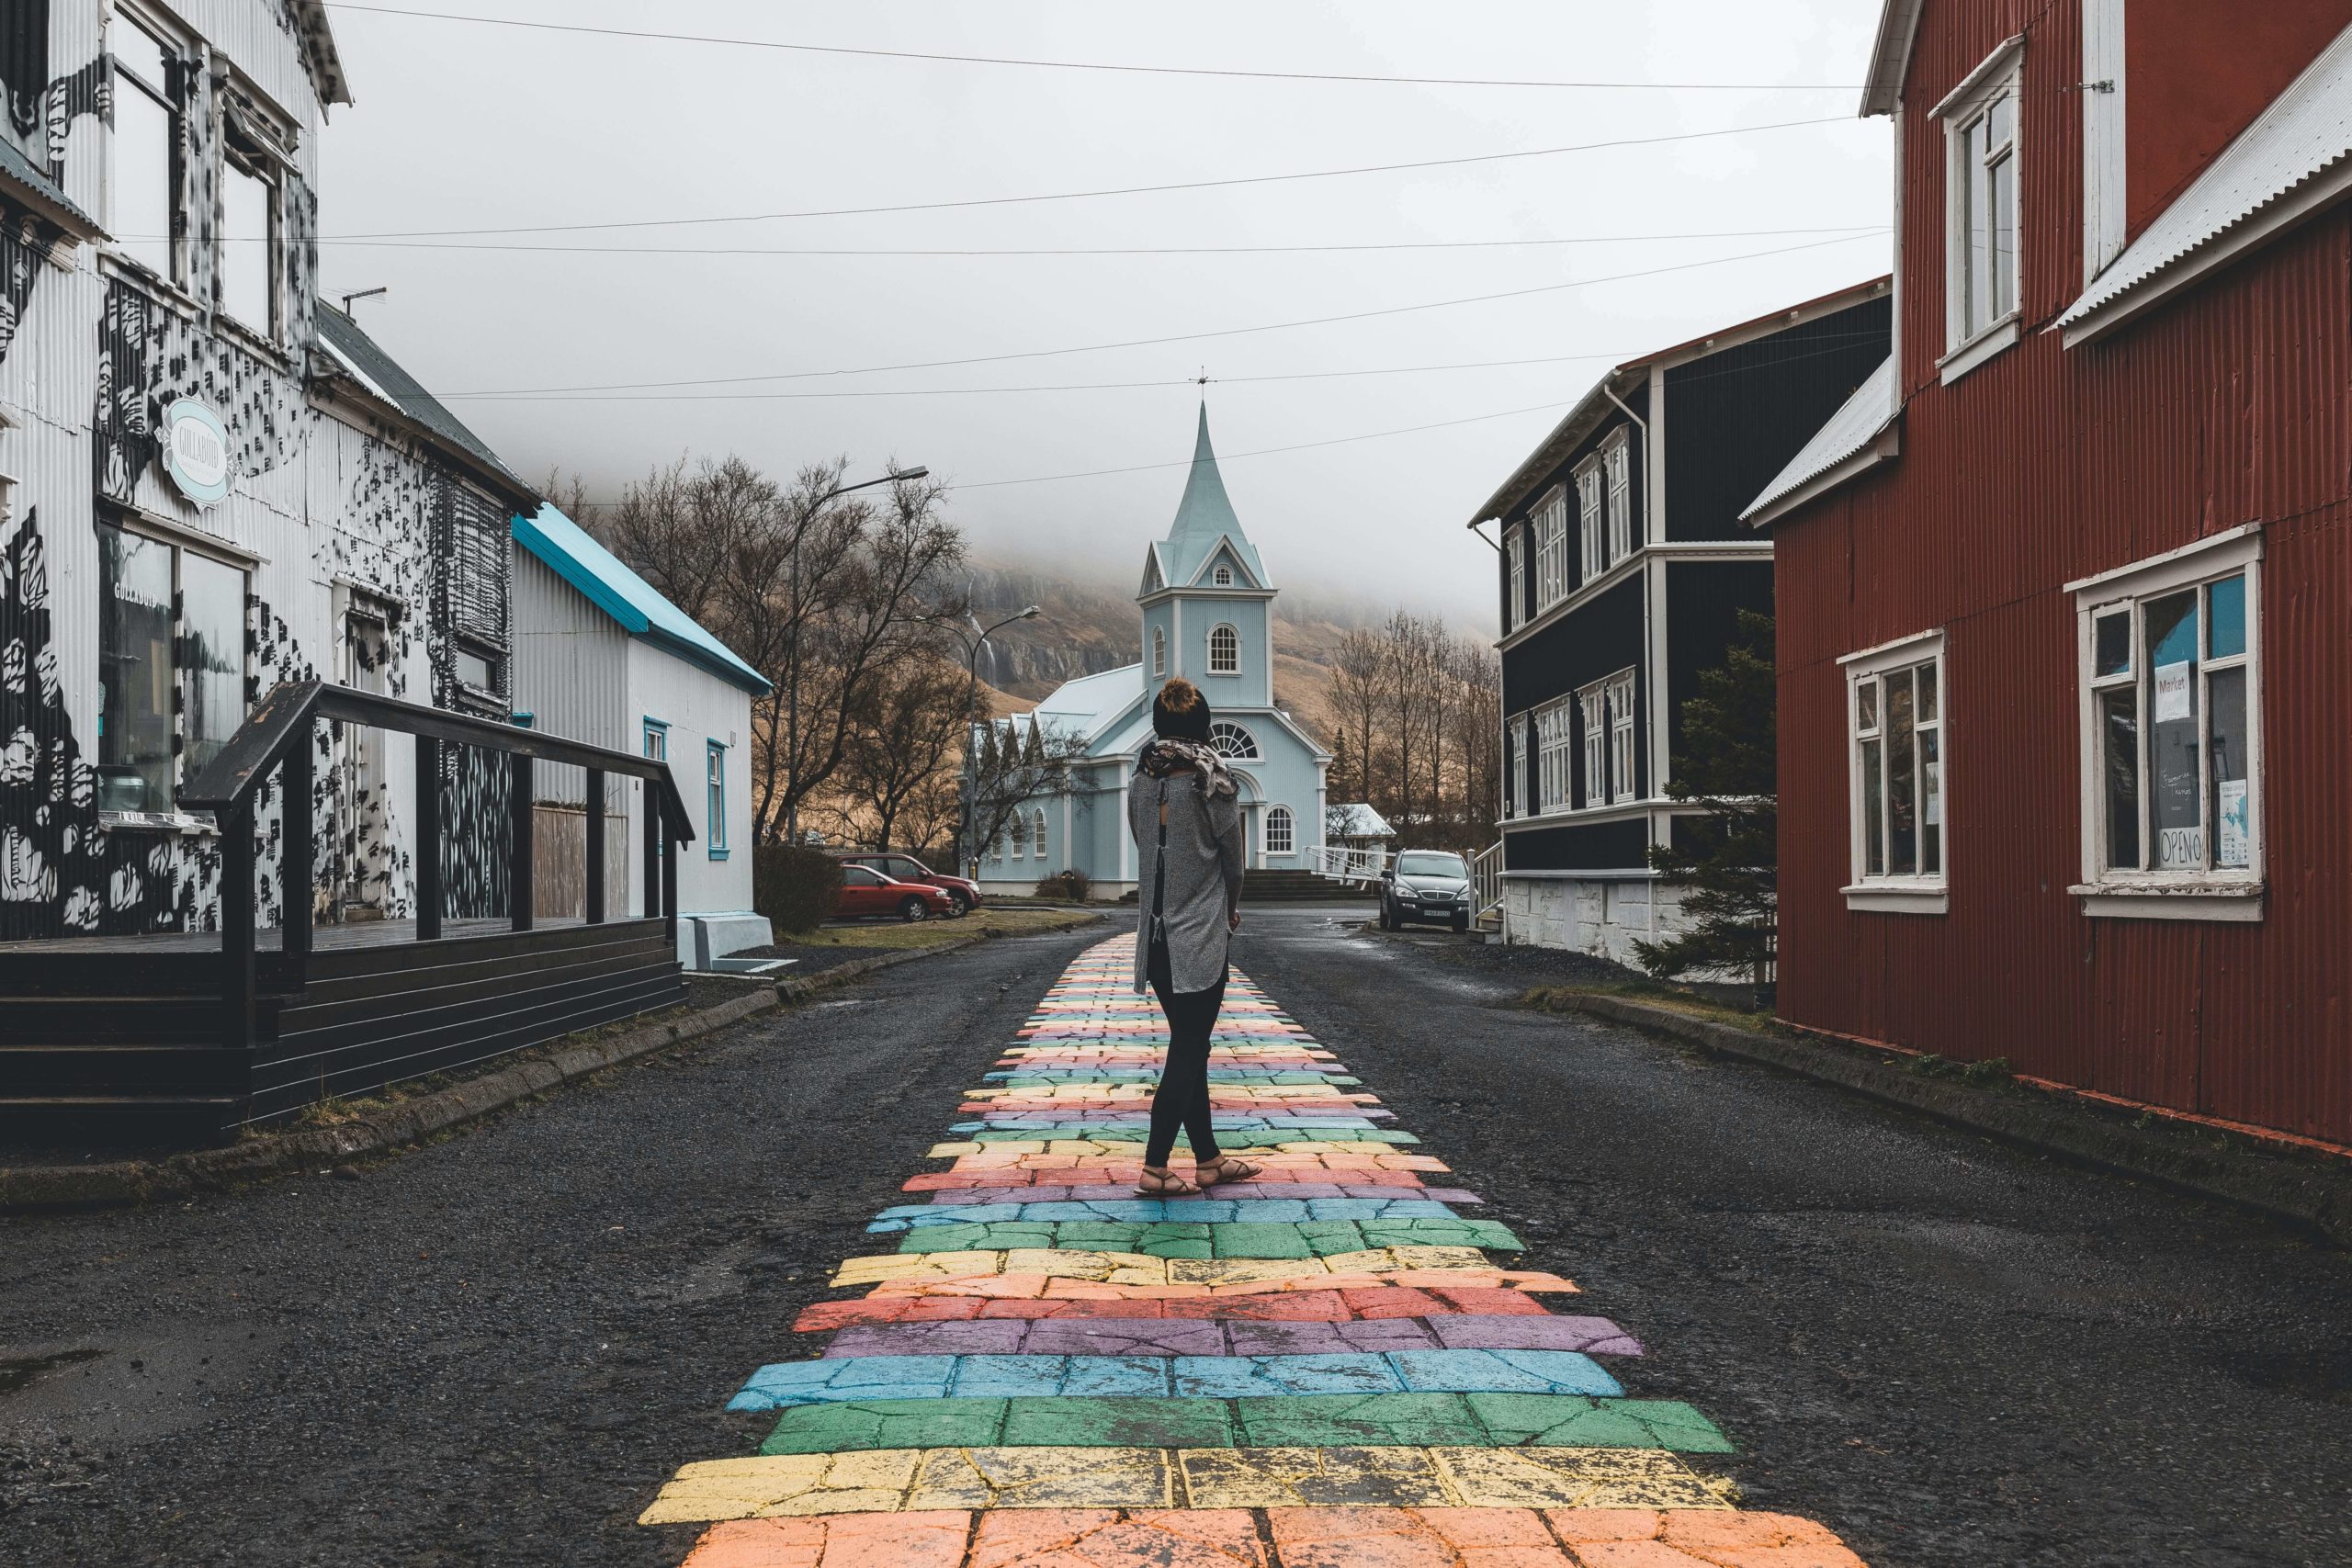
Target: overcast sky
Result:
[460, 125]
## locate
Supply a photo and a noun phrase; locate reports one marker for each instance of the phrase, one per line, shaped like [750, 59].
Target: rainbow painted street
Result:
[1337, 1362]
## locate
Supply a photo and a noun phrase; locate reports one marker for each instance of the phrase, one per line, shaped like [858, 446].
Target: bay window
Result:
[1521, 804]
[1618, 466]
[1515, 580]
[172, 667]
[1552, 551]
[1895, 709]
[1621, 736]
[1554, 734]
[2171, 736]
[1589, 519]
[1593, 709]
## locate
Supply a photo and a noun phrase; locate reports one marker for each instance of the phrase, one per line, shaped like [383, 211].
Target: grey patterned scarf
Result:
[1167, 755]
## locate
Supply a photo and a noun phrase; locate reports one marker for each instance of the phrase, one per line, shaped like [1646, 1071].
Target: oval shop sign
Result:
[196, 451]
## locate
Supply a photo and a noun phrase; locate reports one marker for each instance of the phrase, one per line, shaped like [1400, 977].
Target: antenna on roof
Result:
[363, 294]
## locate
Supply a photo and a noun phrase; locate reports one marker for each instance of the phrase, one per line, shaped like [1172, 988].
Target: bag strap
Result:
[1160, 873]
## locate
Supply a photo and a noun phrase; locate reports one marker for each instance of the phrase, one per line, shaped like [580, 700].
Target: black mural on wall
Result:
[24, 66]
[387, 533]
[59, 875]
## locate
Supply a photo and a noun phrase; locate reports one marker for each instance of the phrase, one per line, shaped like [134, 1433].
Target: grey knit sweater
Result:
[1205, 856]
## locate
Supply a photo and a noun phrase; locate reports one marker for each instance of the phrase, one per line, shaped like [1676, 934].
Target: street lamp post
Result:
[792, 643]
[966, 860]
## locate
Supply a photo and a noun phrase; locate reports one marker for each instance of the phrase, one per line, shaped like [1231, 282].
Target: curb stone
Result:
[121, 1182]
[2306, 1190]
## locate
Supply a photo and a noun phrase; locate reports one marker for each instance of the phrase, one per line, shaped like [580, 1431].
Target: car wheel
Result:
[959, 904]
[911, 910]
[1387, 919]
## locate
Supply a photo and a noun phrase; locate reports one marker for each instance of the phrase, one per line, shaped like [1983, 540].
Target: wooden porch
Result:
[202, 1034]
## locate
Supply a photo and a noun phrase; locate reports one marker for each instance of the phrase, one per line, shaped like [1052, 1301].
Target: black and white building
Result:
[1623, 565]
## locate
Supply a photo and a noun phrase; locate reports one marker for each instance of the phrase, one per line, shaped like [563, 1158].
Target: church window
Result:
[1225, 651]
[1230, 739]
[1280, 838]
[1037, 835]
[1159, 653]
[1224, 578]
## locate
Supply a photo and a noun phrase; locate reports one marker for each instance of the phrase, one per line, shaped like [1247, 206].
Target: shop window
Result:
[172, 667]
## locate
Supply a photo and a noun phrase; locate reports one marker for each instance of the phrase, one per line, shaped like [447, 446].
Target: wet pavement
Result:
[1741, 1300]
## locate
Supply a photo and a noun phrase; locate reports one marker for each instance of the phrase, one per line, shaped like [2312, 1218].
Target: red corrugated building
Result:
[2066, 592]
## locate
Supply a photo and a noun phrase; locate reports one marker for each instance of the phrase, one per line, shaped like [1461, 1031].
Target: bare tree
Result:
[897, 782]
[1359, 679]
[1015, 762]
[823, 595]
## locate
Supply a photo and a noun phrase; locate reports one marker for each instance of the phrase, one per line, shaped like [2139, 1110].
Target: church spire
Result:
[1206, 512]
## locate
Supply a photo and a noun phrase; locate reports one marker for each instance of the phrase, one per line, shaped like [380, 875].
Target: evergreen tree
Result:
[1725, 861]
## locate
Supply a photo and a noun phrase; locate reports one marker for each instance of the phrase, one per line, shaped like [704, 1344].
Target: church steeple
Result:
[1206, 526]
[1206, 512]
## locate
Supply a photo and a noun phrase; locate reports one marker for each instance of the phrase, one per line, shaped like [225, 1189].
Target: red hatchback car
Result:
[963, 894]
[866, 891]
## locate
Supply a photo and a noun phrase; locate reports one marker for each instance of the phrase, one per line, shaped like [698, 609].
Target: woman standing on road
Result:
[1185, 813]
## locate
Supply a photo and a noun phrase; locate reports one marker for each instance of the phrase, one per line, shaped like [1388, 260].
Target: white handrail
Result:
[1348, 864]
[1487, 879]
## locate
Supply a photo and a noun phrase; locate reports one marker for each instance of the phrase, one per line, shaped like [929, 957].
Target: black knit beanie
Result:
[1180, 712]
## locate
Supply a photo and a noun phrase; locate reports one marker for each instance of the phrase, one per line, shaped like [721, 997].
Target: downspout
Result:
[1649, 650]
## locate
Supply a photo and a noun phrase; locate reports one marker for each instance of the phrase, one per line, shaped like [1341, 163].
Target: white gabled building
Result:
[601, 657]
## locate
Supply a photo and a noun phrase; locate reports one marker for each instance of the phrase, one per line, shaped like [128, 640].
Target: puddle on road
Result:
[18, 1373]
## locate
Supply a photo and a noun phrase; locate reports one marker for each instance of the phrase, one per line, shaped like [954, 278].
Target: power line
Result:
[1101, 250]
[1153, 342]
[1090, 195]
[1360, 78]
[1836, 340]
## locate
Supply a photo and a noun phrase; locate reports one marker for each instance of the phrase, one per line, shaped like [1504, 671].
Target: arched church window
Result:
[1037, 840]
[1230, 739]
[1224, 578]
[1159, 653]
[1225, 651]
[1280, 832]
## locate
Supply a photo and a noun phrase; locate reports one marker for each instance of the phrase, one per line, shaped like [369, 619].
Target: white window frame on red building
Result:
[1969, 343]
[2209, 891]
[1868, 714]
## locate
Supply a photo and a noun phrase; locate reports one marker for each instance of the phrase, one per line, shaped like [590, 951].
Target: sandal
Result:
[1225, 1168]
[1169, 1184]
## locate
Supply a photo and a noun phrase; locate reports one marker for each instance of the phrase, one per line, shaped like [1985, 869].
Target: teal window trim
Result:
[654, 726]
[715, 795]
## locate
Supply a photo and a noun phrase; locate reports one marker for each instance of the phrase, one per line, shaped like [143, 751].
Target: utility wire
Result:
[1355, 77]
[1835, 341]
[1151, 342]
[1092, 251]
[1090, 195]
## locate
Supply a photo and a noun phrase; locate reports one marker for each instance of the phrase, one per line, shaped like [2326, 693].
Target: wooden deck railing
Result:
[277, 737]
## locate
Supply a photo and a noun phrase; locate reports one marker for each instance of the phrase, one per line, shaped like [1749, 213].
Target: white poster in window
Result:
[2180, 849]
[2171, 691]
[2231, 795]
[1931, 806]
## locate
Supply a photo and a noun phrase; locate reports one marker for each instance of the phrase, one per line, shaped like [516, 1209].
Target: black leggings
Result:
[1184, 1092]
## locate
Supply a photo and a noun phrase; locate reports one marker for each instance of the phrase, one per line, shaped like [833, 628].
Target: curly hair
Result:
[1179, 696]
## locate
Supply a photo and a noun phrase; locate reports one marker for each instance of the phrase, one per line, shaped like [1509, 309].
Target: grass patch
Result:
[1652, 993]
[988, 919]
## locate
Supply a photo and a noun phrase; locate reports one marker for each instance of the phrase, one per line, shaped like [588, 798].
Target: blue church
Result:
[1207, 608]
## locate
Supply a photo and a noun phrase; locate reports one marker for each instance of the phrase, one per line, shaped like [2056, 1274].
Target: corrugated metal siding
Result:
[2232, 405]
[571, 672]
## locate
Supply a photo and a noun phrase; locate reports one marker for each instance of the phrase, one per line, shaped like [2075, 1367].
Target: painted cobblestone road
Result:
[1320, 1367]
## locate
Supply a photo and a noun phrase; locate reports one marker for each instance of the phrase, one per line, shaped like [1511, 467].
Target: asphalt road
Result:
[493, 1351]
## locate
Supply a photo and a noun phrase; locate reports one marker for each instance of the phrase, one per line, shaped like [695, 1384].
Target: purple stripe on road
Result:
[1236, 1190]
[1188, 1337]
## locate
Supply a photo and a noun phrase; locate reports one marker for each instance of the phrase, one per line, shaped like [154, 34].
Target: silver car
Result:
[1425, 887]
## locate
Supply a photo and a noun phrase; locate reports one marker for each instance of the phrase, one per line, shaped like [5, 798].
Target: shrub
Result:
[794, 886]
[1072, 885]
